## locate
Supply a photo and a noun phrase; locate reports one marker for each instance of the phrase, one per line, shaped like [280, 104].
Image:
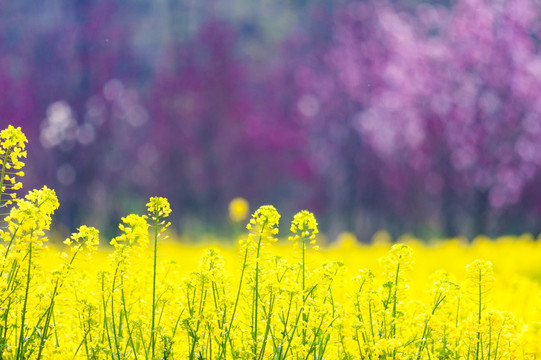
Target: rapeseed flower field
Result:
[271, 296]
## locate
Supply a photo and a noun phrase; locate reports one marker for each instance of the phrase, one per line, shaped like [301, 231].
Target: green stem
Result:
[152, 331]
[303, 266]
[426, 330]
[395, 300]
[113, 313]
[47, 322]
[268, 327]
[479, 318]
[123, 298]
[304, 317]
[20, 348]
[50, 309]
[256, 298]
[228, 330]
[105, 322]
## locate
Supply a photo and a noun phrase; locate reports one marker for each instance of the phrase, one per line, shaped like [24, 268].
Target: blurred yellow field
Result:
[516, 290]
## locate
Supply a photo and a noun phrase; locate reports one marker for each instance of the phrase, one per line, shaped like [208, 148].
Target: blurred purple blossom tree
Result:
[453, 107]
[407, 116]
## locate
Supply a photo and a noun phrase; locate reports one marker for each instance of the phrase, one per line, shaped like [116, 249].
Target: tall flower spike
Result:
[264, 224]
[400, 257]
[85, 236]
[479, 279]
[85, 240]
[12, 149]
[31, 216]
[134, 232]
[158, 208]
[304, 227]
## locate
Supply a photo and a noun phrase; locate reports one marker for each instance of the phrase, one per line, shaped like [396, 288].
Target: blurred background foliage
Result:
[410, 116]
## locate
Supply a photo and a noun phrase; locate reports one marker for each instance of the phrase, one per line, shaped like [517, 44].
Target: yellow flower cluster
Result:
[158, 208]
[263, 225]
[304, 227]
[30, 217]
[12, 149]
[134, 232]
[86, 237]
[130, 303]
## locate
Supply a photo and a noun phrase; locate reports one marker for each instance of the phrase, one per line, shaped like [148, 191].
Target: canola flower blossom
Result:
[86, 237]
[158, 207]
[304, 228]
[12, 150]
[130, 303]
[30, 217]
[263, 225]
[239, 209]
[134, 230]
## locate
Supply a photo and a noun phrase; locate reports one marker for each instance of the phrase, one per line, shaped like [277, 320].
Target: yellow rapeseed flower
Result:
[12, 137]
[86, 236]
[304, 227]
[480, 272]
[158, 207]
[399, 259]
[264, 224]
[12, 149]
[31, 216]
[134, 232]
[479, 279]
[238, 209]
